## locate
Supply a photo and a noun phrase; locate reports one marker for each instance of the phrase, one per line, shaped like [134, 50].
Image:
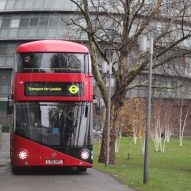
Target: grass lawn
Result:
[169, 171]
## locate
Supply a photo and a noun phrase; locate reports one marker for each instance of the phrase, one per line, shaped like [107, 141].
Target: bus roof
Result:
[52, 46]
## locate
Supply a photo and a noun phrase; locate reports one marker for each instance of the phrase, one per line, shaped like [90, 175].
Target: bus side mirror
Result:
[10, 104]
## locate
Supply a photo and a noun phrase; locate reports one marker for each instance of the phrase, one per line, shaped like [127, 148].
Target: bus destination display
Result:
[54, 89]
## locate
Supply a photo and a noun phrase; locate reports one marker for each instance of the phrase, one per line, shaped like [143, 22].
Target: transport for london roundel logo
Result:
[73, 89]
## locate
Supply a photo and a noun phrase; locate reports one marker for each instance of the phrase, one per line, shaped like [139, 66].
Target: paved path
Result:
[53, 181]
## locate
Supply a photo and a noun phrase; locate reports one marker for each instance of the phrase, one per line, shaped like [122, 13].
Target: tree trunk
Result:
[115, 107]
[102, 154]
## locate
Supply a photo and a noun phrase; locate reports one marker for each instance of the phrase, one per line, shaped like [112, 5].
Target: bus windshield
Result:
[54, 123]
[52, 62]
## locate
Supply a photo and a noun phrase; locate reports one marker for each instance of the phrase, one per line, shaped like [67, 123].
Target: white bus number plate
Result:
[54, 161]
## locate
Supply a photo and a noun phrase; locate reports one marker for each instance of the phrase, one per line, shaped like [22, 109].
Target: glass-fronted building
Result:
[27, 20]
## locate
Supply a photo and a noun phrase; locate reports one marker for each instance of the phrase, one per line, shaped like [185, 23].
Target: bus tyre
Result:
[81, 169]
[15, 170]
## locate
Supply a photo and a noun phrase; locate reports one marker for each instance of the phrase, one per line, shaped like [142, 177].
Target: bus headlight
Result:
[85, 153]
[23, 154]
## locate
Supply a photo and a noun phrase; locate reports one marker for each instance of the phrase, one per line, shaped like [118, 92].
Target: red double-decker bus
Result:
[52, 106]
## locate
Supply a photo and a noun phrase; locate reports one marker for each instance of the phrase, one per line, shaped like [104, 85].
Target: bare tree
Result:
[118, 25]
[163, 118]
[132, 117]
[132, 121]
[183, 114]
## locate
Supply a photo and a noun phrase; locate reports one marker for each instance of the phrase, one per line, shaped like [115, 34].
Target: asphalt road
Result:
[52, 180]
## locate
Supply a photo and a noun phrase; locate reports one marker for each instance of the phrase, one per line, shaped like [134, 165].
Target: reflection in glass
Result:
[13, 33]
[55, 123]
[6, 22]
[15, 23]
[23, 32]
[53, 21]
[43, 22]
[32, 33]
[52, 62]
[5, 81]
[4, 33]
[52, 32]
[41, 32]
[10, 61]
[33, 21]
[24, 22]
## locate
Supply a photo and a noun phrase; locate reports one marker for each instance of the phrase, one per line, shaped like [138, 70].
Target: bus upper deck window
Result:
[53, 62]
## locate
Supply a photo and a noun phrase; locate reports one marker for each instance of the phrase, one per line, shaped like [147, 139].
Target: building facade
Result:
[27, 20]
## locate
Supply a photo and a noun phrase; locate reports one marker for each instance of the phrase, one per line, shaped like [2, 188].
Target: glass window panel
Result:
[42, 32]
[5, 90]
[23, 32]
[51, 62]
[1, 20]
[33, 21]
[48, 4]
[13, 33]
[52, 123]
[63, 21]
[2, 4]
[10, 61]
[10, 64]
[6, 22]
[43, 20]
[15, 23]
[19, 4]
[5, 81]
[11, 49]
[62, 33]
[4, 33]
[10, 4]
[24, 21]
[32, 33]
[52, 33]
[3, 107]
[29, 4]
[3, 50]
[2, 61]
[53, 22]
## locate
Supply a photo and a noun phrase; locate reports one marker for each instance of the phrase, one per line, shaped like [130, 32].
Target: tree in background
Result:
[118, 25]
[131, 120]
[162, 123]
[183, 113]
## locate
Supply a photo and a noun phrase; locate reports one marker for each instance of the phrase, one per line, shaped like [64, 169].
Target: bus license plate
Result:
[54, 161]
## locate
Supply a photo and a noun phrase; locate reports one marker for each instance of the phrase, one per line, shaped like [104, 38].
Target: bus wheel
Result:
[16, 170]
[81, 169]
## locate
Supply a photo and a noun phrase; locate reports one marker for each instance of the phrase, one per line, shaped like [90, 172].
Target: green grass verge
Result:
[168, 171]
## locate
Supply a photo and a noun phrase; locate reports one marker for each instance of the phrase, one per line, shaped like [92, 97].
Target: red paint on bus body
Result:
[21, 78]
[39, 154]
[52, 46]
